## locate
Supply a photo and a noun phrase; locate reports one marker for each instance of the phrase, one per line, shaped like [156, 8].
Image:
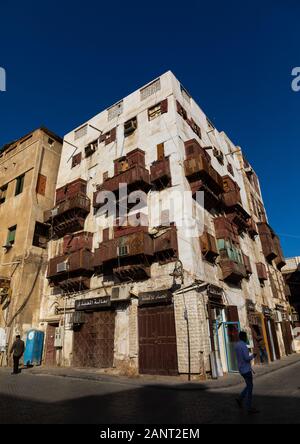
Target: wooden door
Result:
[94, 341]
[157, 341]
[275, 339]
[50, 350]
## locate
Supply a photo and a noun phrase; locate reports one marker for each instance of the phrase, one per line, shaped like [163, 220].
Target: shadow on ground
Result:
[47, 400]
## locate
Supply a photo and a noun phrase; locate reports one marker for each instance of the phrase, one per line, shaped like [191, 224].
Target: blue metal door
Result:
[231, 335]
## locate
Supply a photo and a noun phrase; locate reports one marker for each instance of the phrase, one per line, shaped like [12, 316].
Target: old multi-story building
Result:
[28, 174]
[165, 290]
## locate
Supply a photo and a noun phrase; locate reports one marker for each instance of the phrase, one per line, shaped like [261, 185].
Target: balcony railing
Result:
[161, 173]
[69, 215]
[232, 271]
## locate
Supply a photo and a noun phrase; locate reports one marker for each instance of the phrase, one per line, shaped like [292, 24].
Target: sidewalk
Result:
[165, 382]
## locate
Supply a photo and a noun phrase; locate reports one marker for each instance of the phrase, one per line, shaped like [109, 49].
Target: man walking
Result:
[245, 369]
[17, 350]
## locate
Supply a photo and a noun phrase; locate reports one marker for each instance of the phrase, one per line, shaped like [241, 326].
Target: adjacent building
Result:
[163, 284]
[28, 175]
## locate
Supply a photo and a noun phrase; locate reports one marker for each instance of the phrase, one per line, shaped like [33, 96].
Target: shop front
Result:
[157, 334]
[224, 327]
[93, 341]
[270, 327]
[259, 334]
[285, 328]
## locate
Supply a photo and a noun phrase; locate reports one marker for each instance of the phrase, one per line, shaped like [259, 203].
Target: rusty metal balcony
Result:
[233, 272]
[199, 171]
[68, 216]
[261, 272]
[267, 236]
[280, 260]
[71, 270]
[136, 178]
[161, 173]
[125, 256]
[209, 247]
[166, 245]
[252, 228]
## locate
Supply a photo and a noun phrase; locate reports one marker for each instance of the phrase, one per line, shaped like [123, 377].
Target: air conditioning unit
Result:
[77, 318]
[62, 267]
[120, 294]
[130, 127]
[219, 155]
[59, 337]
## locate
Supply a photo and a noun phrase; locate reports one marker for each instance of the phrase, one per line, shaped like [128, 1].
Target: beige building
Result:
[28, 174]
[170, 294]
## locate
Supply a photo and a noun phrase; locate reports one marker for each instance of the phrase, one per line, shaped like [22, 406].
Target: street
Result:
[45, 399]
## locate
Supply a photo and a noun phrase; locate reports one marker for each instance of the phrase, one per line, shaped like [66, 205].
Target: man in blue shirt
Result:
[244, 362]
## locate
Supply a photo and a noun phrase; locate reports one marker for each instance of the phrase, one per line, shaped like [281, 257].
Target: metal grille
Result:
[81, 132]
[115, 111]
[150, 89]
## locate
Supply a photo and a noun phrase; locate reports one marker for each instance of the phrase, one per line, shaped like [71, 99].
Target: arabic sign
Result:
[92, 304]
[155, 297]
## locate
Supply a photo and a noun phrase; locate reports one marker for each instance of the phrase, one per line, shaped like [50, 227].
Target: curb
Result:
[195, 386]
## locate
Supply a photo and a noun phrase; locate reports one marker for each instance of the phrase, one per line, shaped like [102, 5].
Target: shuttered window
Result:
[3, 191]
[19, 184]
[11, 236]
[160, 151]
[76, 160]
[41, 185]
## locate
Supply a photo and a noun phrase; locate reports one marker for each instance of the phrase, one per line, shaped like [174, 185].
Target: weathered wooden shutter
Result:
[164, 106]
[232, 313]
[76, 160]
[41, 184]
[160, 151]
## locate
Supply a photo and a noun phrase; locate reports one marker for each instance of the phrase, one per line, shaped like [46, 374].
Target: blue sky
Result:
[66, 61]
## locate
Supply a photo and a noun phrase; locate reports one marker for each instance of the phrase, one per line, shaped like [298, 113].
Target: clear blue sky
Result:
[66, 61]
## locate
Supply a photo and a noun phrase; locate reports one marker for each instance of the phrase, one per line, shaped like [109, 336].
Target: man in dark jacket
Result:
[17, 351]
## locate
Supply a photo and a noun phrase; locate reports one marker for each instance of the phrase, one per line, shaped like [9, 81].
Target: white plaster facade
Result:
[172, 130]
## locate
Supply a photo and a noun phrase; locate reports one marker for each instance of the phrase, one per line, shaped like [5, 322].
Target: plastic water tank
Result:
[34, 348]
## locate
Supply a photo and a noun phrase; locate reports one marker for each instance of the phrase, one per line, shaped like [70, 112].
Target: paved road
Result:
[28, 398]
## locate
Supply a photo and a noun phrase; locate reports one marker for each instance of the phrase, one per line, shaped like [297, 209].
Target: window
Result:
[11, 237]
[3, 191]
[229, 250]
[40, 235]
[51, 142]
[154, 112]
[109, 137]
[151, 89]
[81, 132]
[157, 110]
[230, 169]
[41, 184]
[123, 250]
[76, 160]
[20, 184]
